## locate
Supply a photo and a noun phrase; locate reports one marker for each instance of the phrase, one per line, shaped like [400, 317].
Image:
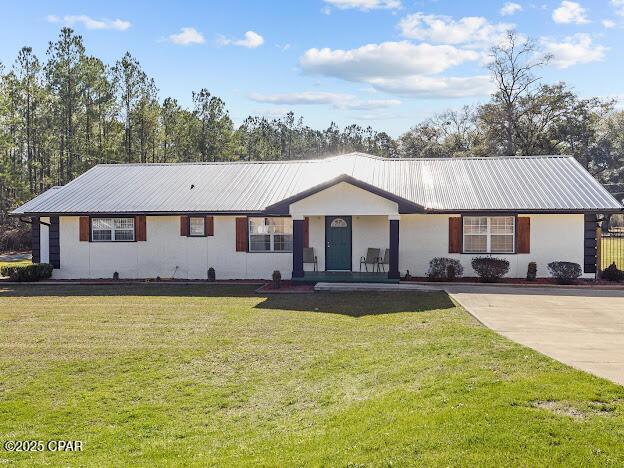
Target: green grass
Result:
[612, 250]
[15, 263]
[216, 375]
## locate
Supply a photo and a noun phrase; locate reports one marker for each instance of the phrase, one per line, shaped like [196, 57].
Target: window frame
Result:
[488, 234]
[190, 233]
[113, 230]
[271, 235]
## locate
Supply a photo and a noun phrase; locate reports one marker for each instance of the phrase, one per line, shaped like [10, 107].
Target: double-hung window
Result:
[112, 229]
[270, 234]
[489, 234]
[197, 226]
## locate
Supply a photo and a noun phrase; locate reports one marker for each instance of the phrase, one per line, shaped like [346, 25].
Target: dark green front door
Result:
[338, 243]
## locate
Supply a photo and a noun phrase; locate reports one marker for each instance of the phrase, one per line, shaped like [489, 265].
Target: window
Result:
[483, 234]
[270, 234]
[112, 229]
[197, 226]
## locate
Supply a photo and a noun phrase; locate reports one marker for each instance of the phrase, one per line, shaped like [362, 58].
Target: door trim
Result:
[350, 241]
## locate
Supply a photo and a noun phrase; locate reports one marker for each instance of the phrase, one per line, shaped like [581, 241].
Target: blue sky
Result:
[384, 63]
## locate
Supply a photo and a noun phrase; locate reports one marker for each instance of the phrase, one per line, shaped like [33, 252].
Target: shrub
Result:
[613, 273]
[277, 279]
[490, 269]
[31, 272]
[565, 272]
[532, 271]
[116, 275]
[444, 269]
[212, 275]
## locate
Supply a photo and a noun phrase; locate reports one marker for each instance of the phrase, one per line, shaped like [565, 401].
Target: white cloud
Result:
[444, 29]
[400, 68]
[570, 12]
[609, 24]
[510, 8]
[574, 50]
[336, 100]
[187, 36]
[90, 23]
[435, 86]
[251, 40]
[365, 5]
[385, 59]
[619, 6]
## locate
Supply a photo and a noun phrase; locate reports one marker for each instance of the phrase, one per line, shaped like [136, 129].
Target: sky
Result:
[385, 63]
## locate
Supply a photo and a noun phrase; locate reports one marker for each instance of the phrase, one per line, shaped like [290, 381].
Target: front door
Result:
[338, 243]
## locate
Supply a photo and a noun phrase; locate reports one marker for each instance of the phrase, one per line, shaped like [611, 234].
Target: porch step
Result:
[373, 287]
[344, 277]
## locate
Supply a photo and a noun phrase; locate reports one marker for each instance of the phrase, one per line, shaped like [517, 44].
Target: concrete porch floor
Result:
[345, 277]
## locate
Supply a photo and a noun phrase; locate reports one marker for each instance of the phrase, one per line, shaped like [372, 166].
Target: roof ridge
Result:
[335, 157]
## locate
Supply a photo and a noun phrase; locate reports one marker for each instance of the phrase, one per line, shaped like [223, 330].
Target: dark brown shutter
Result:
[184, 226]
[209, 225]
[523, 240]
[306, 232]
[84, 229]
[455, 235]
[140, 227]
[241, 234]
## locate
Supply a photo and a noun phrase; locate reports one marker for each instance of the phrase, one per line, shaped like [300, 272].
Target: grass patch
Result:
[209, 374]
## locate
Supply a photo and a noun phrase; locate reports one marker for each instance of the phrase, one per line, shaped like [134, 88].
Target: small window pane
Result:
[502, 225]
[259, 243]
[124, 235]
[475, 225]
[475, 244]
[197, 226]
[282, 242]
[502, 244]
[100, 235]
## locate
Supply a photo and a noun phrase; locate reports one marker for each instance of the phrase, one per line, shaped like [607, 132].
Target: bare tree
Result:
[512, 66]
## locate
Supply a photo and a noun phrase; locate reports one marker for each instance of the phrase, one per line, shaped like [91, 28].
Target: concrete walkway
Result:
[342, 287]
[583, 328]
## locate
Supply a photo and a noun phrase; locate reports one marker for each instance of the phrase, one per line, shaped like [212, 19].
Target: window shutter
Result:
[140, 227]
[306, 233]
[241, 234]
[209, 225]
[184, 226]
[523, 235]
[84, 229]
[455, 235]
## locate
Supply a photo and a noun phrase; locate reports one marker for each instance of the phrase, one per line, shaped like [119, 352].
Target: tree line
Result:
[61, 116]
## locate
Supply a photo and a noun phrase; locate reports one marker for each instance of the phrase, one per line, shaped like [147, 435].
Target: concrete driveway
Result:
[583, 328]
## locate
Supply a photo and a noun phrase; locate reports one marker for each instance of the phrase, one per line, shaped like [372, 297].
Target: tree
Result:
[512, 66]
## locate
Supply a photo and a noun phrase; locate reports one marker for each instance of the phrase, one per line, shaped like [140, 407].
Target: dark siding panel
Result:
[35, 236]
[140, 228]
[184, 226]
[590, 244]
[306, 232]
[523, 240]
[55, 247]
[242, 235]
[209, 225]
[455, 235]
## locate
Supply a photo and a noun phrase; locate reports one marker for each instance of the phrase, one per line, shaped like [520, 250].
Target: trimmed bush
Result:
[565, 272]
[532, 271]
[277, 279]
[212, 275]
[24, 273]
[613, 273]
[490, 269]
[444, 269]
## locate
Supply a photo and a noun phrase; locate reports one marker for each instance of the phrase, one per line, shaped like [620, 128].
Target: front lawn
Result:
[206, 374]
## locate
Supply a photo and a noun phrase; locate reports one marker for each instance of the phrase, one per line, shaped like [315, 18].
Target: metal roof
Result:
[527, 183]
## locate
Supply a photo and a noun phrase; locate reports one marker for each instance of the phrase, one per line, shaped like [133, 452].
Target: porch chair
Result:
[372, 258]
[384, 261]
[309, 257]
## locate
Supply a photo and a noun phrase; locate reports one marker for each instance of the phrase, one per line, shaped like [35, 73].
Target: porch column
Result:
[393, 267]
[297, 254]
